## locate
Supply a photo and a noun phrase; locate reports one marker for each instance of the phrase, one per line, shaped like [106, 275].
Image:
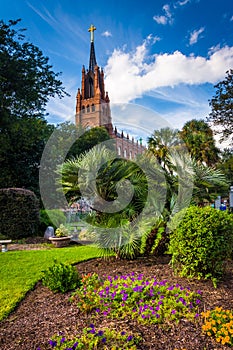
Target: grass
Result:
[21, 270]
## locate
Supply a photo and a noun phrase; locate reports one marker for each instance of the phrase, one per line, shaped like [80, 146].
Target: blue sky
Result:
[163, 55]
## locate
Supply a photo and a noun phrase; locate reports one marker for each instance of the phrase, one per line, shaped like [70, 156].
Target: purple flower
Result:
[173, 311]
[103, 340]
[75, 345]
[170, 288]
[91, 325]
[100, 333]
[53, 343]
[62, 340]
[197, 315]
[97, 310]
[130, 337]
[125, 297]
[123, 333]
[198, 301]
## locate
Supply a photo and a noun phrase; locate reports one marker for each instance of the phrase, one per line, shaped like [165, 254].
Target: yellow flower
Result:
[227, 339]
[218, 309]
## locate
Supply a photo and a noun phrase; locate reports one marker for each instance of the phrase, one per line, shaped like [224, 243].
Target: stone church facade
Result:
[93, 106]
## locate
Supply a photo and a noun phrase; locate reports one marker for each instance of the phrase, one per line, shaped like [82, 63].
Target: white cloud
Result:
[106, 34]
[164, 19]
[130, 76]
[231, 18]
[194, 36]
[182, 3]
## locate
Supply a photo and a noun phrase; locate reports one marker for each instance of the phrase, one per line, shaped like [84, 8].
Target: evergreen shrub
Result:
[61, 278]
[202, 242]
[19, 213]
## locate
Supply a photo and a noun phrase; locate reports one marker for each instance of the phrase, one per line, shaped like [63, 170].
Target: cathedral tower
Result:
[92, 102]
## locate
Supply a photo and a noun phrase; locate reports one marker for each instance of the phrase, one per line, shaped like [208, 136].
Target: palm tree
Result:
[199, 140]
[161, 142]
[205, 182]
[125, 195]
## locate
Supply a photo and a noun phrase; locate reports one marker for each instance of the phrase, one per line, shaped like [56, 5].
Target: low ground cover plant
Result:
[218, 323]
[118, 297]
[147, 300]
[96, 338]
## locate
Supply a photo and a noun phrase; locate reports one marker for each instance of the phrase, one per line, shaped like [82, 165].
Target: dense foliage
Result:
[199, 140]
[19, 213]
[222, 106]
[202, 242]
[27, 82]
[61, 277]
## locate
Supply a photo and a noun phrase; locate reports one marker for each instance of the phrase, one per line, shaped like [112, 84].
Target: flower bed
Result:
[118, 297]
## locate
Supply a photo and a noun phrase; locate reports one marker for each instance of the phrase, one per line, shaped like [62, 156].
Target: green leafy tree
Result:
[26, 78]
[84, 139]
[199, 140]
[222, 107]
[21, 147]
[27, 82]
[225, 165]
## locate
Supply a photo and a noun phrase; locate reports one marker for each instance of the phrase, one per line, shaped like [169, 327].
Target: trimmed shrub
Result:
[202, 242]
[19, 213]
[61, 278]
[52, 217]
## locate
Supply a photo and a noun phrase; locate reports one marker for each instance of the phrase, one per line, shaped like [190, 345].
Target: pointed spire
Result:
[92, 61]
[92, 29]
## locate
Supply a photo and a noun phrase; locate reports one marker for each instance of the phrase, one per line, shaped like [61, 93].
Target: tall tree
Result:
[27, 82]
[222, 107]
[161, 141]
[199, 140]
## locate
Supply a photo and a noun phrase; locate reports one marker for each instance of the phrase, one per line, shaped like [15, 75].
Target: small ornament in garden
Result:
[61, 231]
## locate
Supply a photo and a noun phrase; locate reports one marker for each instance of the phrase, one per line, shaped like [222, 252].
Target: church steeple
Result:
[92, 102]
[92, 61]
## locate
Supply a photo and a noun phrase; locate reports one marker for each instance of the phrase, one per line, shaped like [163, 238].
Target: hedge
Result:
[19, 213]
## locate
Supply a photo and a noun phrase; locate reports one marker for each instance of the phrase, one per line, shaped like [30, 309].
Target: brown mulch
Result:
[42, 313]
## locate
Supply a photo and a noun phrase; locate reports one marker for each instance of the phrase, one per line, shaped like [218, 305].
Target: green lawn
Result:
[20, 270]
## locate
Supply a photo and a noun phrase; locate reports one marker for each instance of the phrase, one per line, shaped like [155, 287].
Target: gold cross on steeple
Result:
[91, 29]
